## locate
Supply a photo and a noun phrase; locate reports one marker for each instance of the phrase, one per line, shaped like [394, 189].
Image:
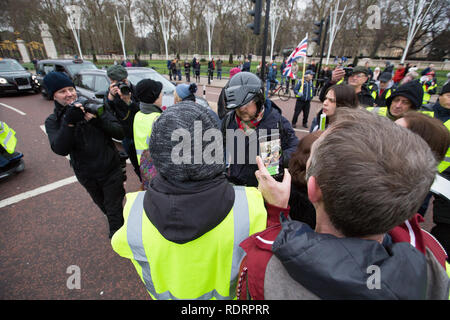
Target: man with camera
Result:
[84, 132]
[356, 77]
[123, 104]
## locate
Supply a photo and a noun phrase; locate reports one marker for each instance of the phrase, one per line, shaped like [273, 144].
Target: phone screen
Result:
[270, 153]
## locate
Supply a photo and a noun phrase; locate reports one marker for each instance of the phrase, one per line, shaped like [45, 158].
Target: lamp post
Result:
[74, 23]
[165, 26]
[210, 19]
[121, 28]
[275, 20]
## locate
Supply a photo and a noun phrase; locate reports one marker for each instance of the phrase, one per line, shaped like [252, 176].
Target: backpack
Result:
[147, 169]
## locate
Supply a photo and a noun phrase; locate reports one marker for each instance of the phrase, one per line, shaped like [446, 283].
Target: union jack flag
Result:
[300, 51]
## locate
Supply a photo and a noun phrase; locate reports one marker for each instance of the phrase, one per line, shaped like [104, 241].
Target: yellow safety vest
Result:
[382, 111]
[300, 94]
[142, 130]
[7, 137]
[426, 95]
[445, 164]
[202, 269]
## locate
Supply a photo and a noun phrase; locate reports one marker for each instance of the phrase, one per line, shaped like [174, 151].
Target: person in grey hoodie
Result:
[363, 187]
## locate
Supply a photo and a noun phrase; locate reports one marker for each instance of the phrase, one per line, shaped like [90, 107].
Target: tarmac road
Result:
[49, 224]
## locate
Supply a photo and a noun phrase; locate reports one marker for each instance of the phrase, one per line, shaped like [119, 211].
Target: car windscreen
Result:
[75, 68]
[10, 65]
[135, 77]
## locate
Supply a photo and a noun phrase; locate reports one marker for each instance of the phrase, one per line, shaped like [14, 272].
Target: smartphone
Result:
[271, 155]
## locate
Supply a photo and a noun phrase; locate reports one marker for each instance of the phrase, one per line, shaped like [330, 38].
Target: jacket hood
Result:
[183, 212]
[345, 268]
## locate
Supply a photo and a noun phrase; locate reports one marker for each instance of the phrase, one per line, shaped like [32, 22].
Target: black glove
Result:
[73, 115]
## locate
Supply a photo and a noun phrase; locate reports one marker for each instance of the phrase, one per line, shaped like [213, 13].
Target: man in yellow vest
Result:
[406, 98]
[183, 233]
[429, 86]
[149, 93]
[385, 89]
[441, 205]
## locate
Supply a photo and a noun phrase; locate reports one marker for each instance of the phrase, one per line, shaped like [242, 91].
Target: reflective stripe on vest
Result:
[310, 89]
[176, 268]
[445, 164]
[426, 95]
[381, 111]
[7, 137]
[142, 130]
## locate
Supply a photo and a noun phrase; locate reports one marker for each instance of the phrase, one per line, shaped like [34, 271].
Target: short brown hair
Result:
[432, 130]
[373, 174]
[345, 96]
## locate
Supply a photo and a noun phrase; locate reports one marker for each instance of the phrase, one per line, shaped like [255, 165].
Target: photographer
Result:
[356, 77]
[123, 104]
[84, 133]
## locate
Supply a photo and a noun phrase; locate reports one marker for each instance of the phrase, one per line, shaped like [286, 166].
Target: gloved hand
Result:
[73, 115]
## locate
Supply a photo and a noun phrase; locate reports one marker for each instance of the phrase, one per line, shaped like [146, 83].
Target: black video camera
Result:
[348, 71]
[124, 88]
[90, 106]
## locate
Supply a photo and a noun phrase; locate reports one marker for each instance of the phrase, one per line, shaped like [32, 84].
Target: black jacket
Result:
[123, 112]
[92, 152]
[344, 268]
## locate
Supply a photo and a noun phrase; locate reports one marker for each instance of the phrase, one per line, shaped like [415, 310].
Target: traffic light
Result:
[256, 13]
[318, 32]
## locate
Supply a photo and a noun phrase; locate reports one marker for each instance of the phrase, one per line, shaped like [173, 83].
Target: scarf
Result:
[249, 126]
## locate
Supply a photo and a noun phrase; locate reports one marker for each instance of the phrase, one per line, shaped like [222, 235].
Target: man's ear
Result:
[314, 192]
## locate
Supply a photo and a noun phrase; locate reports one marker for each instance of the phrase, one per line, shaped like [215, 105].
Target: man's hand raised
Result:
[274, 192]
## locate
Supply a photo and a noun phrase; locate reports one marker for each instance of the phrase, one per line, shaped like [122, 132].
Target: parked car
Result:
[93, 84]
[70, 67]
[15, 78]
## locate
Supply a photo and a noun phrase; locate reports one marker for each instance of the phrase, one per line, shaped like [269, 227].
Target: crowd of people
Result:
[213, 221]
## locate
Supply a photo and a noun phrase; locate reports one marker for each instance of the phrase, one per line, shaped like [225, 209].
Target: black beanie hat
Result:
[412, 90]
[148, 90]
[445, 89]
[55, 81]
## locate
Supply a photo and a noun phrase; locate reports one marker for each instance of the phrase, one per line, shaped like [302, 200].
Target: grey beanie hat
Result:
[177, 147]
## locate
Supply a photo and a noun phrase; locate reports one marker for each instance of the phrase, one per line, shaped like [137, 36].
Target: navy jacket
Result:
[244, 174]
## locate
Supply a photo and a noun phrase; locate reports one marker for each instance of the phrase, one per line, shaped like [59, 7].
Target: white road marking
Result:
[14, 109]
[37, 191]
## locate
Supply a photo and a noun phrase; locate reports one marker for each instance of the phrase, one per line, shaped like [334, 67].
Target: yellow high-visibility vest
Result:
[7, 137]
[142, 130]
[204, 268]
[445, 164]
[426, 95]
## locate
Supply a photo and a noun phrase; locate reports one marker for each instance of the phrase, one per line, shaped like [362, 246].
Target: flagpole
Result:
[304, 67]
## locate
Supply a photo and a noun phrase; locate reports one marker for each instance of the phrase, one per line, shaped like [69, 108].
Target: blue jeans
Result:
[270, 84]
[179, 74]
[219, 74]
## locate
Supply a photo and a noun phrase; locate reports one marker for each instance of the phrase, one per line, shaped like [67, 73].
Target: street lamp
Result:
[165, 25]
[210, 19]
[275, 20]
[121, 28]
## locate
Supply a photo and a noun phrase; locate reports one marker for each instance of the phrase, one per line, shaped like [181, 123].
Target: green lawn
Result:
[161, 67]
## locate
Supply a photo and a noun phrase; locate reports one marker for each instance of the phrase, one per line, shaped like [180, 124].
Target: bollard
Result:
[204, 92]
